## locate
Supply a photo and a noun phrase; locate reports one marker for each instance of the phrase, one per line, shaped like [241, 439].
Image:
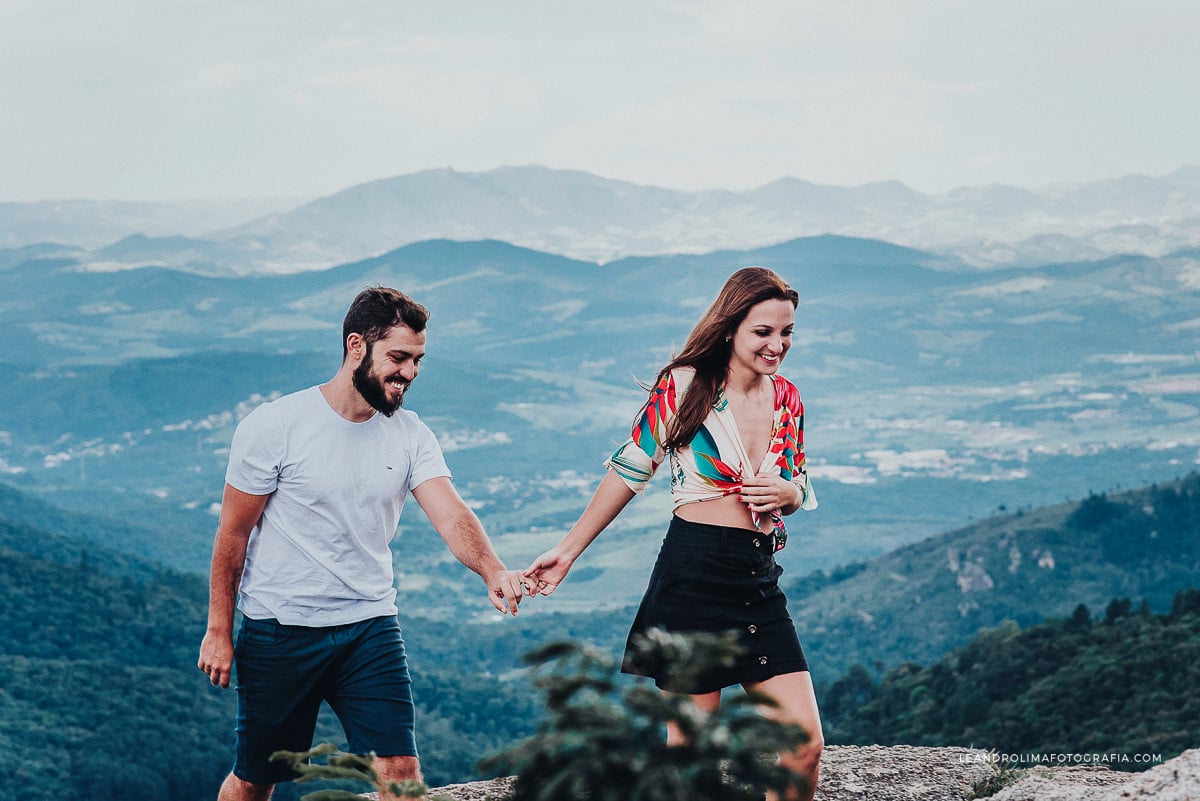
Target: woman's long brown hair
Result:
[707, 349]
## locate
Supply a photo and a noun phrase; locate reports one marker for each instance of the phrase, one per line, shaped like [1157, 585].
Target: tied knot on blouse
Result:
[713, 463]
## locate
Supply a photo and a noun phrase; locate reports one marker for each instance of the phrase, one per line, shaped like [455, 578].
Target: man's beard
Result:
[373, 390]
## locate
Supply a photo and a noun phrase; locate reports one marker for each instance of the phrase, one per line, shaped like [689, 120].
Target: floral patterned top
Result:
[712, 464]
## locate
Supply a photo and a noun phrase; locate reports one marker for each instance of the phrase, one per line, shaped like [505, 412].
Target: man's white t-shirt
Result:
[319, 556]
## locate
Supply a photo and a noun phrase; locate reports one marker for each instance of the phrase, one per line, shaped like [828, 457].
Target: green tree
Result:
[602, 742]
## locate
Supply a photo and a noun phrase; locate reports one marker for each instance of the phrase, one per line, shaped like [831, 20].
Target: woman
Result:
[732, 430]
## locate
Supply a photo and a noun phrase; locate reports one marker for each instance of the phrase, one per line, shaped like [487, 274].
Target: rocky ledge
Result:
[911, 773]
[1177, 779]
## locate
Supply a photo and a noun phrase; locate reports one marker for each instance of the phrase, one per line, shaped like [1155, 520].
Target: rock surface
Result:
[899, 773]
[1175, 780]
[848, 773]
[911, 773]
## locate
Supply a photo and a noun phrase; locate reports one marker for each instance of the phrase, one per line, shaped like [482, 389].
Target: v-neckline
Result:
[729, 422]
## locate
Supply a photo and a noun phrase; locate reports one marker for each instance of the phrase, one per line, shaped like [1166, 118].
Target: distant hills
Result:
[934, 396]
[31, 526]
[599, 219]
[91, 224]
[1019, 349]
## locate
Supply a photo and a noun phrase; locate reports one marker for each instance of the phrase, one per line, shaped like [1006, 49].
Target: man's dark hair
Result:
[376, 310]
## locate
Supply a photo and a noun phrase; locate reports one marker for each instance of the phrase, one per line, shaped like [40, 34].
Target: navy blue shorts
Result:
[285, 672]
[719, 579]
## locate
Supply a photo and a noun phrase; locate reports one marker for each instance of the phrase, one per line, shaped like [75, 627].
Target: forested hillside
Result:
[95, 684]
[923, 600]
[1126, 683]
[99, 689]
[30, 525]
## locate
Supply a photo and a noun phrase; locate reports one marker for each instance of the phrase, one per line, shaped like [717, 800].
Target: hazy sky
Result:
[154, 99]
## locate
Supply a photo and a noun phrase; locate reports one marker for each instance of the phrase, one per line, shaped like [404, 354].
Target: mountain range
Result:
[585, 216]
[93, 224]
[1000, 412]
[934, 396]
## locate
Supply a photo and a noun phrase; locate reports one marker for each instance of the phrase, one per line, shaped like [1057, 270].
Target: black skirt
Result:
[719, 579]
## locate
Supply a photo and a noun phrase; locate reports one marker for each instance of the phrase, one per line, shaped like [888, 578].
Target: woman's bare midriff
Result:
[725, 511]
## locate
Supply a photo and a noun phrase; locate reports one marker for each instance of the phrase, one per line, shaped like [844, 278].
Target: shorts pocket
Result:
[261, 633]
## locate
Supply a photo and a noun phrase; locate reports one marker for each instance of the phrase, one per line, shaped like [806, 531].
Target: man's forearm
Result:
[470, 545]
[240, 512]
[224, 579]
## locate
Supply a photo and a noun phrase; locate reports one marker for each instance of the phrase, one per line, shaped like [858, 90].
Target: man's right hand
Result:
[505, 590]
[216, 657]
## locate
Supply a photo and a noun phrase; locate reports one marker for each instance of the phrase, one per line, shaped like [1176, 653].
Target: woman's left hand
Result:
[767, 493]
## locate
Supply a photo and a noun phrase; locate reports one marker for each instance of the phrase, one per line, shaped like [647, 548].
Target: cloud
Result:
[136, 98]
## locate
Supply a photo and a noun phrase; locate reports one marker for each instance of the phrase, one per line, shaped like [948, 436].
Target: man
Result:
[314, 489]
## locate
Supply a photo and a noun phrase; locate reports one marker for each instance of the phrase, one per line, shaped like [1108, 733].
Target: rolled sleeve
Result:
[632, 466]
[808, 497]
[636, 460]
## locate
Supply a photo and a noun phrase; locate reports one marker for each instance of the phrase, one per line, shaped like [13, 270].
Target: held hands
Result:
[505, 590]
[770, 492]
[547, 571]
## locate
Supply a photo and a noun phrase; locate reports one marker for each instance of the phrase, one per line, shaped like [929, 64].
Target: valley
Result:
[934, 396]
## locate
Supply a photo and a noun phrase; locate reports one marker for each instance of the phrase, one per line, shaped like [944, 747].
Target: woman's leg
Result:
[708, 703]
[797, 703]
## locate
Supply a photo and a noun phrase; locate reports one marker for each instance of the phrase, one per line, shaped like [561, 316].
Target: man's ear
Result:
[356, 347]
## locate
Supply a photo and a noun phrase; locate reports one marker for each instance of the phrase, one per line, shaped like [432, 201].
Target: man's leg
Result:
[398, 769]
[235, 789]
[372, 696]
[279, 684]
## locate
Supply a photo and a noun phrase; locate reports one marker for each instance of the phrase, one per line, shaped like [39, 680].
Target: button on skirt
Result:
[718, 579]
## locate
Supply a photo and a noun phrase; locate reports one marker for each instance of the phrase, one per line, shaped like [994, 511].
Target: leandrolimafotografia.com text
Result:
[1018, 759]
